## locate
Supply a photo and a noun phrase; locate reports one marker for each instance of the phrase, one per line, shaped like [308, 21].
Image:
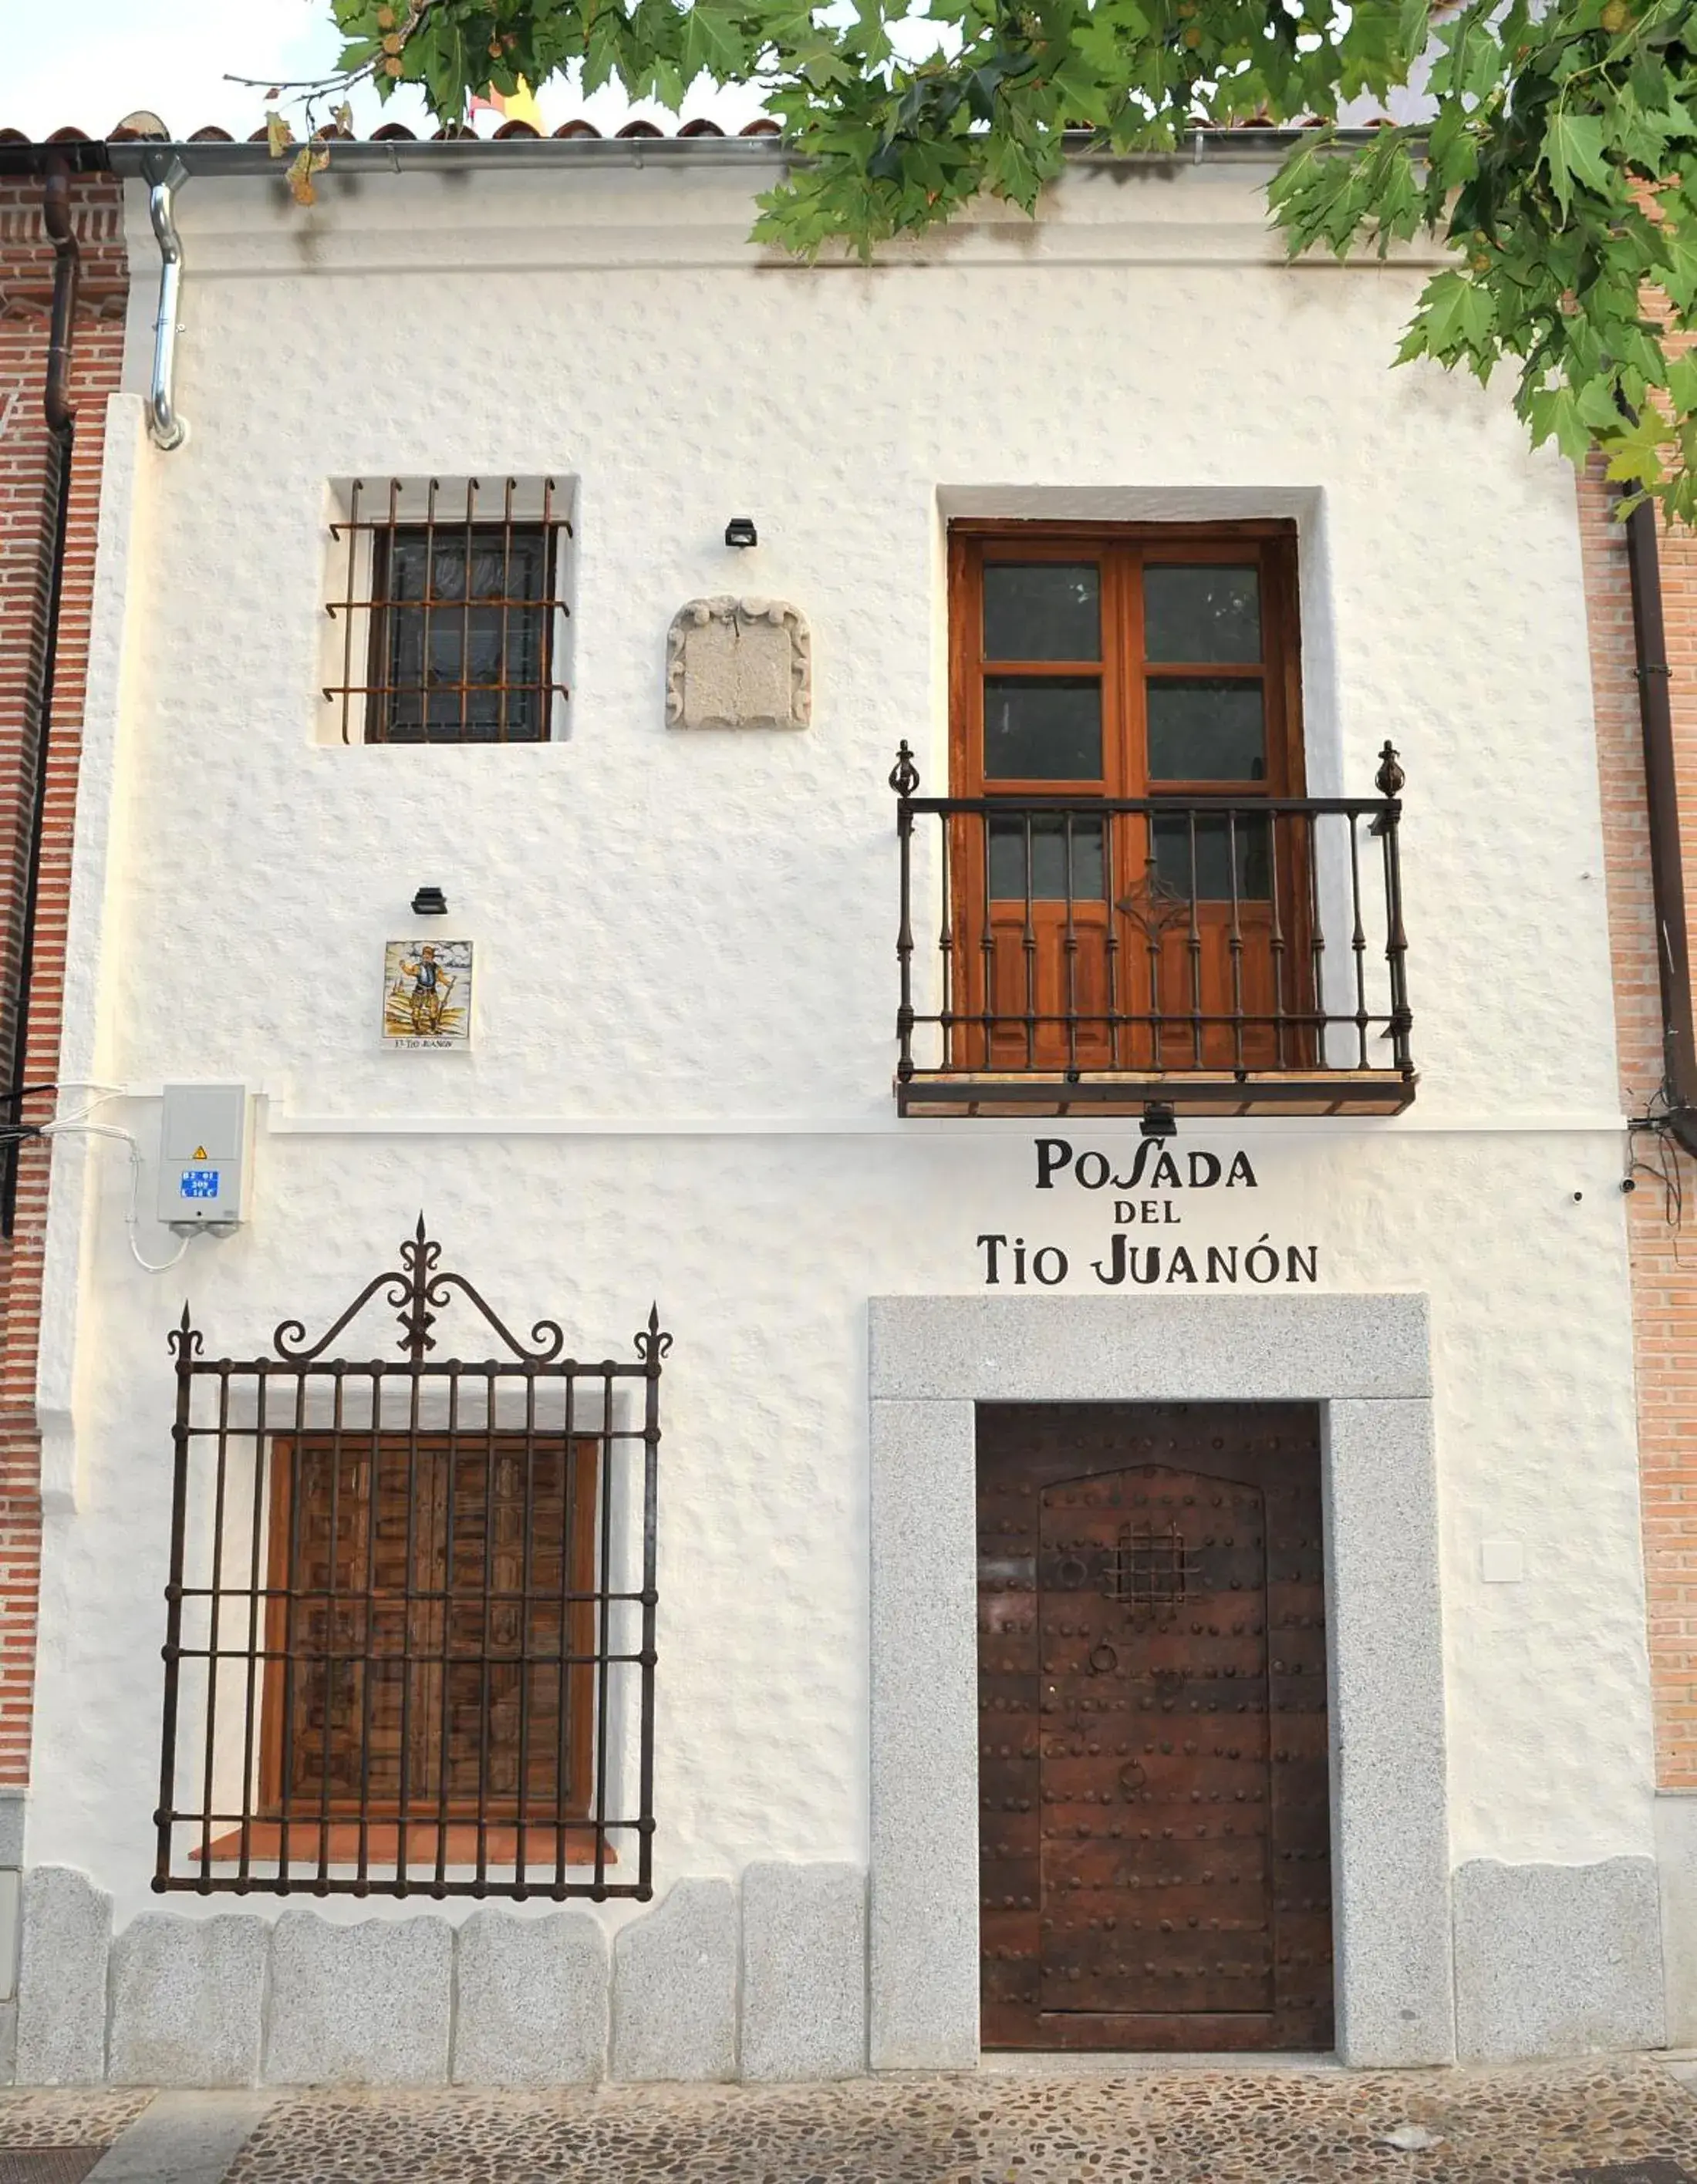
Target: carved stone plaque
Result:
[739, 664]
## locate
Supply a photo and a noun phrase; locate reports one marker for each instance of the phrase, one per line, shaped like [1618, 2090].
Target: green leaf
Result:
[1414, 26]
[1478, 317]
[1682, 383]
[1450, 148]
[1599, 405]
[1556, 415]
[1442, 313]
[1634, 452]
[1679, 266]
[1573, 146]
[713, 46]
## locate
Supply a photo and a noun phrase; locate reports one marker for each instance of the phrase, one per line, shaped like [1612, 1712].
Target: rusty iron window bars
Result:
[1155, 938]
[410, 1641]
[448, 607]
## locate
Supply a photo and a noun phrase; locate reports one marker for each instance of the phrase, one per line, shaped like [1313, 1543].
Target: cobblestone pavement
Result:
[57, 2137]
[1155, 2125]
[68, 2116]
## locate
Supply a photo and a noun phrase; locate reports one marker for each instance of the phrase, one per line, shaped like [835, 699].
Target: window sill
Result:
[308, 1848]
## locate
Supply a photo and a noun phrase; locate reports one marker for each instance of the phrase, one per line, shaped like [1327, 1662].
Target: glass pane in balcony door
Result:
[1050, 881]
[1200, 614]
[1042, 611]
[1206, 727]
[1042, 727]
[1209, 880]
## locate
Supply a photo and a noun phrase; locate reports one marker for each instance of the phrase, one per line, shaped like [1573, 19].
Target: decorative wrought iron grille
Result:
[448, 613]
[410, 1640]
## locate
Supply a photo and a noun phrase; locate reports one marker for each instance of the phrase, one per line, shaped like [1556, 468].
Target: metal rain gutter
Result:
[1661, 802]
[757, 155]
[164, 177]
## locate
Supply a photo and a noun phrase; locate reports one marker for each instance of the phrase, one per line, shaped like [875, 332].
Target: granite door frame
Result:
[1366, 1361]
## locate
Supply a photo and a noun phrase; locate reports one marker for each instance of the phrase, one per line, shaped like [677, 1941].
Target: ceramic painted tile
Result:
[427, 994]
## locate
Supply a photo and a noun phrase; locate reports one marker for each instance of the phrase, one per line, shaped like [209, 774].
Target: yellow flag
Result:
[520, 105]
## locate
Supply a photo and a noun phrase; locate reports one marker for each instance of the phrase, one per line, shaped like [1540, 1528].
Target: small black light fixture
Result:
[1159, 1122]
[740, 532]
[430, 902]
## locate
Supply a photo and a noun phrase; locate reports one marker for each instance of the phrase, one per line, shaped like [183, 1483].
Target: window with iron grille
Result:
[411, 1622]
[448, 623]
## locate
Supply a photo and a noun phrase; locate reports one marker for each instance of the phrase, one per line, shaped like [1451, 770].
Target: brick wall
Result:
[27, 456]
[1664, 1254]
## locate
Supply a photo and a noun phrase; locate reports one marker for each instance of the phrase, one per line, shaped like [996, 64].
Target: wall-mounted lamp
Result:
[1159, 1121]
[740, 532]
[430, 902]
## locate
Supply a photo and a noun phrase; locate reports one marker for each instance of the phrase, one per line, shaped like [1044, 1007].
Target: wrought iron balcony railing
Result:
[1223, 955]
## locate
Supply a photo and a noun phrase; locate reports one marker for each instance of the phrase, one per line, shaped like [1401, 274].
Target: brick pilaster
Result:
[1663, 1252]
[26, 266]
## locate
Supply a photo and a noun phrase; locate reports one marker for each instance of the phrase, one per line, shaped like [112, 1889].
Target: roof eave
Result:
[394, 155]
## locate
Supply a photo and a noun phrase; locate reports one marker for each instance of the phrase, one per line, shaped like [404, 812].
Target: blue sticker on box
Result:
[200, 1183]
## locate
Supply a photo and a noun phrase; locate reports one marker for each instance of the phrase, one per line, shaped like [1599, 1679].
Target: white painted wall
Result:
[680, 1087]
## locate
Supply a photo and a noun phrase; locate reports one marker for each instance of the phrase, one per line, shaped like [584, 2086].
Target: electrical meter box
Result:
[205, 1156]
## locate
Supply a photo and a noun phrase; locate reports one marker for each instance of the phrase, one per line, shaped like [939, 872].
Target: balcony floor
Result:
[938, 1092]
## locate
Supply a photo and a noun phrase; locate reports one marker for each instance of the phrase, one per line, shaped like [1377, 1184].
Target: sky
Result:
[89, 68]
[173, 57]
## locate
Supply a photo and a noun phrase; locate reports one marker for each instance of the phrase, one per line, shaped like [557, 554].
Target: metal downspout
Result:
[1661, 801]
[60, 412]
[67, 274]
[164, 179]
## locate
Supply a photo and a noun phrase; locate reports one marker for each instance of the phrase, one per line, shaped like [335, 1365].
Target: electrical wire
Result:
[73, 1126]
[13, 1092]
[62, 1121]
[1663, 1164]
[77, 1125]
[19, 1133]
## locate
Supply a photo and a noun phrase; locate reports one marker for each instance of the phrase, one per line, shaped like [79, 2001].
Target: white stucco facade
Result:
[680, 1083]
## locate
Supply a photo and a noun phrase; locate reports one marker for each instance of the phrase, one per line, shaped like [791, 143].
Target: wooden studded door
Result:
[1154, 1828]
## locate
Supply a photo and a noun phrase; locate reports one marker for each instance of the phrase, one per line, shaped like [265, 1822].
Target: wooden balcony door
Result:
[1155, 663]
